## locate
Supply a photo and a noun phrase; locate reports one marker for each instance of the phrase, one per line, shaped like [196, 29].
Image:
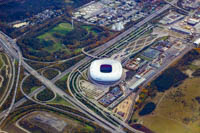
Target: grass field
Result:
[62, 84]
[6, 77]
[178, 110]
[193, 67]
[61, 101]
[1, 62]
[34, 88]
[45, 95]
[89, 29]
[62, 29]
[64, 78]
[60, 41]
[160, 124]
[50, 73]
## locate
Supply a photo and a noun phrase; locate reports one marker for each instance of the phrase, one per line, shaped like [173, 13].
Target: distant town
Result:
[115, 13]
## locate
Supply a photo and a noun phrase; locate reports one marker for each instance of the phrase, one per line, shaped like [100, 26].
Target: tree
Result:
[148, 108]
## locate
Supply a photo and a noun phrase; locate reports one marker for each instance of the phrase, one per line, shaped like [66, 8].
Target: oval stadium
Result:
[105, 71]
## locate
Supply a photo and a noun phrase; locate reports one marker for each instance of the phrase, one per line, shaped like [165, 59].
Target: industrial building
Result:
[172, 18]
[118, 26]
[192, 21]
[137, 83]
[114, 14]
[181, 30]
[111, 96]
[105, 71]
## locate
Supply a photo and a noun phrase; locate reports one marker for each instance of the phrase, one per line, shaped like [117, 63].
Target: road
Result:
[15, 90]
[10, 83]
[174, 5]
[98, 51]
[44, 104]
[73, 76]
[124, 34]
[37, 91]
[75, 103]
[139, 24]
[89, 55]
[105, 124]
[166, 64]
[23, 100]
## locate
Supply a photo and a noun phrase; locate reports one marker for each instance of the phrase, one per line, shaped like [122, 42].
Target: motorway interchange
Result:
[108, 121]
[12, 49]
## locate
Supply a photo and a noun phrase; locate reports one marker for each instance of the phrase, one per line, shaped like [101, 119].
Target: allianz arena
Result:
[105, 71]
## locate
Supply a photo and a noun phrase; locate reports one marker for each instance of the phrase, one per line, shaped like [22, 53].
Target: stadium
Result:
[105, 71]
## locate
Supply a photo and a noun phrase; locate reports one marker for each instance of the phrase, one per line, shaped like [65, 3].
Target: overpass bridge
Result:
[173, 4]
[89, 55]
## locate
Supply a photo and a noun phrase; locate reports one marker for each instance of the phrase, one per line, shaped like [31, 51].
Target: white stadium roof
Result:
[104, 77]
[197, 41]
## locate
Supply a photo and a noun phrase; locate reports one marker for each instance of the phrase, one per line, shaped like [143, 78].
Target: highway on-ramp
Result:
[105, 124]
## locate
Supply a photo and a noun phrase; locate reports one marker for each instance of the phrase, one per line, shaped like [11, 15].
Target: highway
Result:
[13, 52]
[87, 53]
[75, 103]
[38, 90]
[120, 36]
[105, 114]
[73, 78]
[54, 88]
[10, 83]
[23, 100]
[16, 86]
[49, 106]
[111, 42]
[174, 5]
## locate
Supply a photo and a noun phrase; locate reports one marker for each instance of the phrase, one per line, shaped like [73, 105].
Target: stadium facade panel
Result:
[105, 71]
